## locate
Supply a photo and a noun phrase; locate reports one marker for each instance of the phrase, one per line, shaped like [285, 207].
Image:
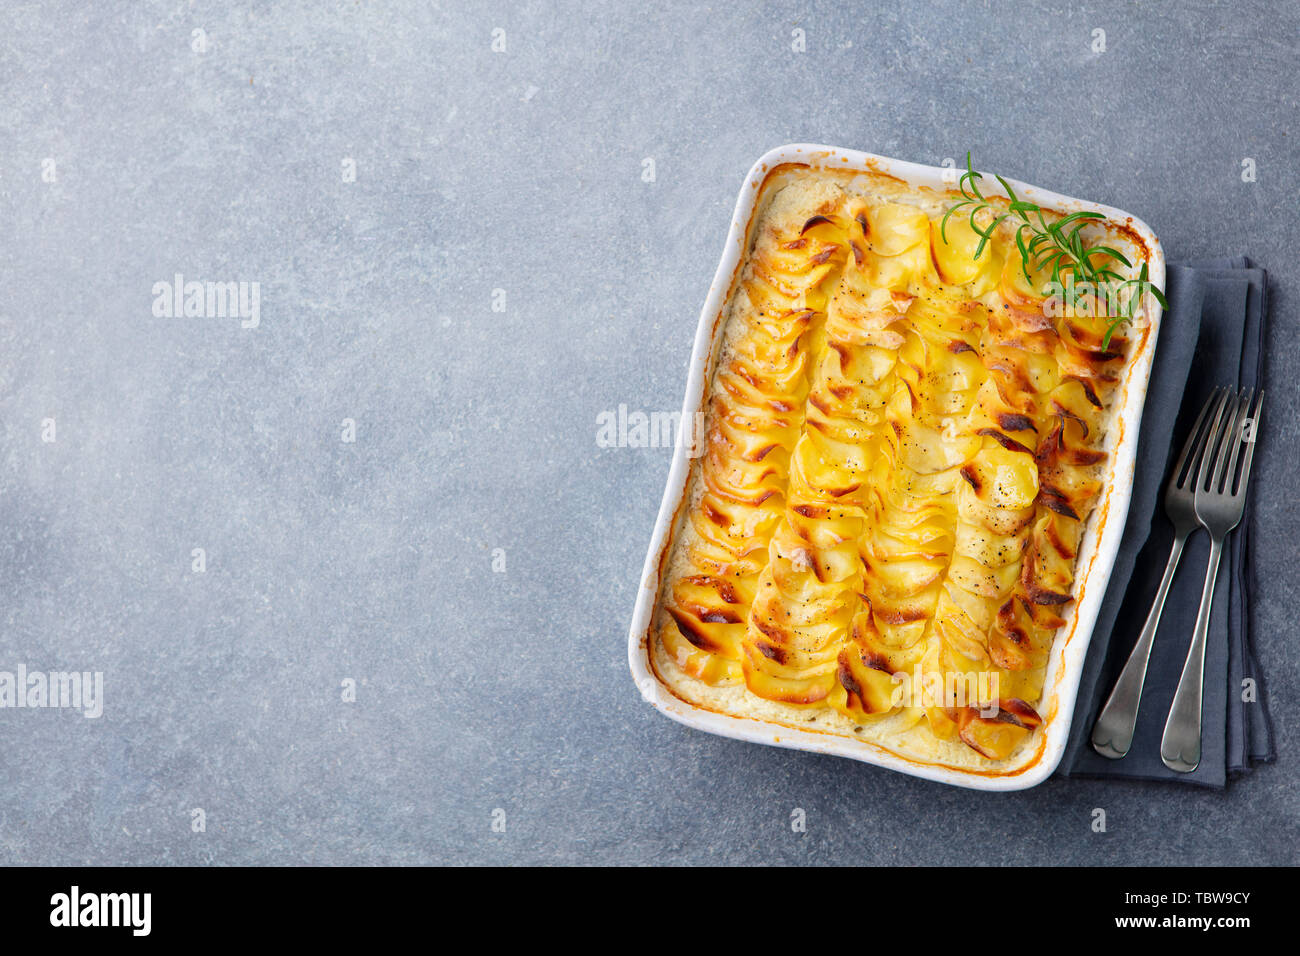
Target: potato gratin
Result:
[903, 448]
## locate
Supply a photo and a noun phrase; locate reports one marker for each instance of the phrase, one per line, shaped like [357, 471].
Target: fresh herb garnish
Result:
[1078, 269]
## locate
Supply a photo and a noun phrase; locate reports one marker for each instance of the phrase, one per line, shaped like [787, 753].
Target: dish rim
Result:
[1069, 648]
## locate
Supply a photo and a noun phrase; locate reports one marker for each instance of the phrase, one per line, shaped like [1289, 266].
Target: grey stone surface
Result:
[475, 429]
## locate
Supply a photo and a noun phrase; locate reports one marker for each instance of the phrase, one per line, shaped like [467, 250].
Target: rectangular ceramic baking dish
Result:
[1096, 558]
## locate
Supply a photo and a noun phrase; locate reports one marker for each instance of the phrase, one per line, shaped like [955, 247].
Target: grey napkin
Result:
[1211, 335]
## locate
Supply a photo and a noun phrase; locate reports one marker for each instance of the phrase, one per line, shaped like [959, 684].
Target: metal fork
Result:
[1112, 736]
[1219, 502]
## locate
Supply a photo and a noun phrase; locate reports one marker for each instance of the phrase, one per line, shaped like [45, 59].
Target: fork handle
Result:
[1113, 734]
[1180, 749]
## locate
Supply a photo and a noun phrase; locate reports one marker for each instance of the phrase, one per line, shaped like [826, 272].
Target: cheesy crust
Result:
[904, 445]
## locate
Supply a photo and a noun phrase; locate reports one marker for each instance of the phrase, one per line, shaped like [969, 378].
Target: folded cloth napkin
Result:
[1211, 335]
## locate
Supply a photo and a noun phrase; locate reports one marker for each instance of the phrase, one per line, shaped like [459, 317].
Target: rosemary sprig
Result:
[1060, 246]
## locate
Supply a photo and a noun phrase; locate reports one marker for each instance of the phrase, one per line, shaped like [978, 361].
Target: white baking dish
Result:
[1096, 557]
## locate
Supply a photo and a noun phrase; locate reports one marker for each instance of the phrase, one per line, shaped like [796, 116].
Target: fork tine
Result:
[1210, 452]
[1227, 441]
[1235, 428]
[1250, 444]
[1191, 447]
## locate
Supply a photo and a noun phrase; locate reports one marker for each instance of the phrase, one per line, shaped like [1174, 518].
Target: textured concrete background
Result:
[475, 429]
